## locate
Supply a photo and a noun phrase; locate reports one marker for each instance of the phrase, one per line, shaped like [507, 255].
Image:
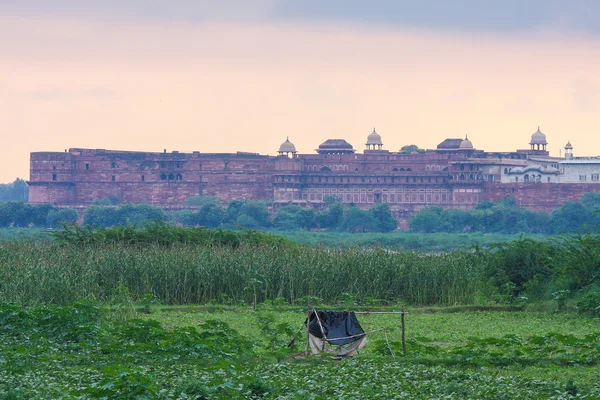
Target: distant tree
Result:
[233, 211]
[332, 217]
[384, 217]
[15, 191]
[457, 220]
[570, 217]
[57, 217]
[211, 215]
[246, 221]
[409, 148]
[124, 214]
[307, 218]
[427, 220]
[287, 218]
[256, 210]
[21, 214]
[357, 220]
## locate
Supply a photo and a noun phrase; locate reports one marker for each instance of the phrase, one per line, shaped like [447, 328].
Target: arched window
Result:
[395, 170]
[402, 169]
[506, 170]
[462, 177]
[408, 169]
[325, 169]
[171, 177]
[178, 177]
[526, 178]
[163, 177]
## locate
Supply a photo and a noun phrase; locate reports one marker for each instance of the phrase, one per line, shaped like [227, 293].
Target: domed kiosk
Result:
[538, 141]
[466, 144]
[374, 141]
[287, 148]
[335, 146]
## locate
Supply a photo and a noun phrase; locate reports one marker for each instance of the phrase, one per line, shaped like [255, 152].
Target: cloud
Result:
[462, 15]
[506, 16]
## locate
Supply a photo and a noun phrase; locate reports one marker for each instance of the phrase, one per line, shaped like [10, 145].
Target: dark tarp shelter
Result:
[337, 328]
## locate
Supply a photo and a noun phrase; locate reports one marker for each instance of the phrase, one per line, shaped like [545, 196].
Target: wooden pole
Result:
[403, 338]
[307, 324]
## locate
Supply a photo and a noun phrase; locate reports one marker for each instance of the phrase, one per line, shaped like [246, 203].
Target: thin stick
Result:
[388, 344]
[322, 329]
[379, 312]
[307, 324]
[403, 338]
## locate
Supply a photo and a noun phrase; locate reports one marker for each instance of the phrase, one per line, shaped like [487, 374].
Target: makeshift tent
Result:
[335, 328]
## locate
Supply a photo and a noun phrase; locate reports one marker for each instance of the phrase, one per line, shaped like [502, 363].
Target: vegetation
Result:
[161, 312]
[15, 191]
[86, 351]
[507, 217]
[21, 214]
[187, 265]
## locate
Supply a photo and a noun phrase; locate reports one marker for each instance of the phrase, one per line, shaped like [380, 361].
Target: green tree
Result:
[357, 220]
[409, 148]
[570, 217]
[211, 215]
[427, 220]
[383, 215]
[62, 216]
[15, 191]
[331, 218]
[256, 210]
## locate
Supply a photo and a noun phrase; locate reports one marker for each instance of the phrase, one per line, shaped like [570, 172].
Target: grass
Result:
[427, 242]
[47, 272]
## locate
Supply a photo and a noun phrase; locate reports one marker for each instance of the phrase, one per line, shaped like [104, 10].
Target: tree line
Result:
[249, 215]
[507, 217]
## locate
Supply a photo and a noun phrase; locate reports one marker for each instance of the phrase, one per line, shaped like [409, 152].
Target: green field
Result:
[82, 352]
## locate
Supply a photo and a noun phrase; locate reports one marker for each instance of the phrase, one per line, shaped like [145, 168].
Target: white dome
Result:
[466, 144]
[538, 137]
[287, 147]
[374, 138]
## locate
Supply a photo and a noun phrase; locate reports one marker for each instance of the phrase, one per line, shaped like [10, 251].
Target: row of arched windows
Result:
[170, 177]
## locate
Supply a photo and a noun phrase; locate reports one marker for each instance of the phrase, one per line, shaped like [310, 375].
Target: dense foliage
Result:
[21, 214]
[188, 265]
[507, 217]
[15, 191]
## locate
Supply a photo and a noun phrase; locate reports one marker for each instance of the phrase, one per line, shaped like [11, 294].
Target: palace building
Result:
[453, 175]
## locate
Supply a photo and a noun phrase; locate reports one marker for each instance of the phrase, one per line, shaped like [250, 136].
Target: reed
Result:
[48, 272]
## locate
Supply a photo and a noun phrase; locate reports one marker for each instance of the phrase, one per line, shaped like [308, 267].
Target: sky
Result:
[238, 75]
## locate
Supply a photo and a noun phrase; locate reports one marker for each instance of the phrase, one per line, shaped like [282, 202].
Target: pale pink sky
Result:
[150, 84]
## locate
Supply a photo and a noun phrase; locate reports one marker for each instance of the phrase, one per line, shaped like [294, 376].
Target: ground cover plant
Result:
[84, 351]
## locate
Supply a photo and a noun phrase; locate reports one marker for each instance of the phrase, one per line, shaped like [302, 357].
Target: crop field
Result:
[125, 351]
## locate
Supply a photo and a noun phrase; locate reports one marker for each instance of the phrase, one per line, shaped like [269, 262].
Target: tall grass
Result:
[48, 272]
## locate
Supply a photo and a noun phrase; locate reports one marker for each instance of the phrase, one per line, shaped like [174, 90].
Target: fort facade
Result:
[454, 175]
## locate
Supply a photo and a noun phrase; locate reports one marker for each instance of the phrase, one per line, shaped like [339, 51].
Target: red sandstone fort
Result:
[454, 175]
